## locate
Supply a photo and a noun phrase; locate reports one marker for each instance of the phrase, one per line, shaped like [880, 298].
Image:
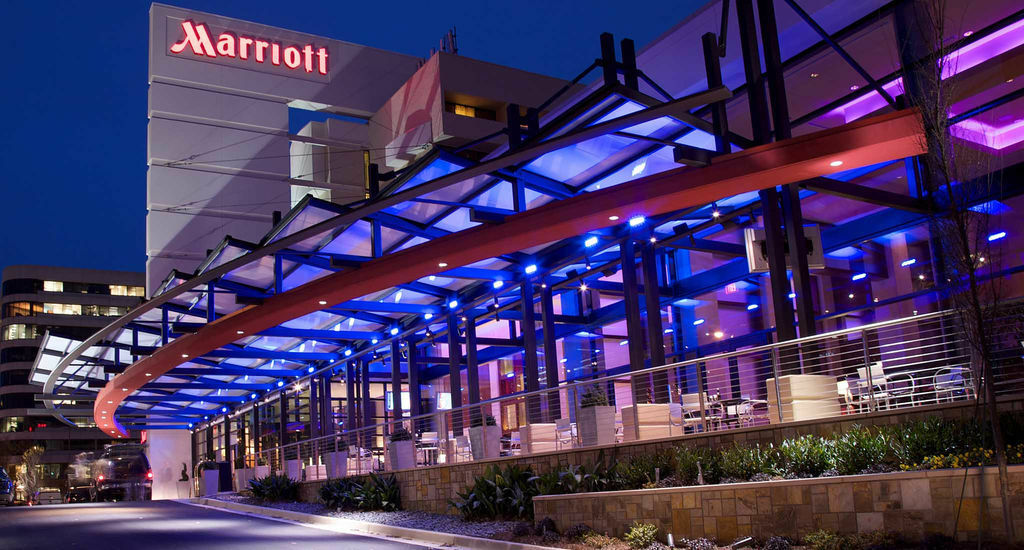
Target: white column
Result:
[168, 450]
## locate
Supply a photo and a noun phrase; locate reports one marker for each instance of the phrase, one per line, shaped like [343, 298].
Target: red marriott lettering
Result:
[198, 39]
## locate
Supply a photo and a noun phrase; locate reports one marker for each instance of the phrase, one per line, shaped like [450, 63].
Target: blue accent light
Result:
[752, 307]
[453, 304]
[394, 331]
[498, 284]
[591, 241]
[624, 342]
[530, 269]
[428, 316]
[792, 295]
[373, 341]
[190, 425]
[511, 375]
[223, 409]
[563, 360]
[698, 322]
[669, 331]
[908, 263]
[252, 396]
[348, 352]
[637, 221]
[310, 370]
[280, 383]
[996, 236]
[859, 276]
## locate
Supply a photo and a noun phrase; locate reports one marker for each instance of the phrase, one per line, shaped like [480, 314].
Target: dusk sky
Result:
[73, 146]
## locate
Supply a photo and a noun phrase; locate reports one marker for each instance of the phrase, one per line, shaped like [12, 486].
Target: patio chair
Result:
[950, 382]
[515, 446]
[463, 450]
[429, 443]
[752, 412]
[563, 433]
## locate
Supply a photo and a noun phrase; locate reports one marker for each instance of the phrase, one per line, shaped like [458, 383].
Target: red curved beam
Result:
[861, 143]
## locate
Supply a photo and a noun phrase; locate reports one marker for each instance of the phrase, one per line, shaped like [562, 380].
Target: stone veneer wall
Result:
[911, 503]
[429, 488]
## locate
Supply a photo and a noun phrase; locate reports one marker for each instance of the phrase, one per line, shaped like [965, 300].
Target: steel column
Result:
[531, 374]
[415, 406]
[655, 331]
[634, 331]
[350, 423]
[455, 371]
[364, 381]
[791, 210]
[283, 420]
[472, 371]
[608, 64]
[396, 378]
[769, 197]
[713, 71]
[209, 441]
[547, 321]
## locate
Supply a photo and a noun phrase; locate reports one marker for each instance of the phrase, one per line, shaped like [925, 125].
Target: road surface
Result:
[159, 525]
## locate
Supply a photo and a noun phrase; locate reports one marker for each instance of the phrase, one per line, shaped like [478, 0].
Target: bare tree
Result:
[28, 476]
[960, 178]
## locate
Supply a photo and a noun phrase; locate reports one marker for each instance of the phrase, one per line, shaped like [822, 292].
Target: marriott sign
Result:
[197, 38]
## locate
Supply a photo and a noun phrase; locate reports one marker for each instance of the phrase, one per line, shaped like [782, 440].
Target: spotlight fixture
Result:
[428, 316]
[908, 262]
[715, 213]
[859, 276]
[591, 241]
[452, 304]
[498, 284]
[530, 269]
[637, 221]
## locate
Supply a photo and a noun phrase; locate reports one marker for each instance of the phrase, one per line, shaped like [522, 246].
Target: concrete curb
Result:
[376, 529]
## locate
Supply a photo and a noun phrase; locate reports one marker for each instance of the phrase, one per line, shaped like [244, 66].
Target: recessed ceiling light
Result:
[854, 88]
[442, 264]
[814, 75]
[323, 302]
[148, 374]
[968, 33]
[239, 332]
[836, 163]
[124, 389]
[184, 356]
[613, 218]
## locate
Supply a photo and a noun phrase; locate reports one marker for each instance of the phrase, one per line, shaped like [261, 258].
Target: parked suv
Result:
[6, 488]
[122, 473]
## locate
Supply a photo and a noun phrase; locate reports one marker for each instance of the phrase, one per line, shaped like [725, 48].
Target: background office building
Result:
[69, 303]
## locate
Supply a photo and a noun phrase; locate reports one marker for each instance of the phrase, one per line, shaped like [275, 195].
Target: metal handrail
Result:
[771, 349]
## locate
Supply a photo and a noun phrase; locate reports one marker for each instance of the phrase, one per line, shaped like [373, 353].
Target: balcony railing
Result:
[898, 364]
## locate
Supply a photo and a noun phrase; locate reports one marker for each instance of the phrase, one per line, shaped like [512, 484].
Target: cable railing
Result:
[891, 365]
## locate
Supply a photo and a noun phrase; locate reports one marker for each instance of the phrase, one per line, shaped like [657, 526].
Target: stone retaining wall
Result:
[429, 488]
[911, 503]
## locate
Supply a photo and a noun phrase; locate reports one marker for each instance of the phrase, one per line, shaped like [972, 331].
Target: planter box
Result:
[261, 471]
[654, 421]
[402, 455]
[210, 482]
[537, 438]
[337, 464]
[485, 442]
[596, 425]
[242, 477]
[293, 469]
[317, 471]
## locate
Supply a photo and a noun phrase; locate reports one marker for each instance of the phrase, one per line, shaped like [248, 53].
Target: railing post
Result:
[700, 396]
[775, 375]
[867, 369]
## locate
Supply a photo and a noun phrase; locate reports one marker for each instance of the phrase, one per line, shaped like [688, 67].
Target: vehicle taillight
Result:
[149, 474]
[99, 478]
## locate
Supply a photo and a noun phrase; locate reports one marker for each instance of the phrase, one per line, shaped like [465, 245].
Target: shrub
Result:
[806, 456]
[597, 540]
[376, 493]
[578, 532]
[859, 449]
[401, 434]
[593, 397]
[638, 470]
[699, 544]
[274, 488]
[692, 465]
[505, 493]
[522, 529]
[641, 535]
[777, 543]
[913, 441]
[827, 540]
[546, 525]
[745, 462]
[340, 493]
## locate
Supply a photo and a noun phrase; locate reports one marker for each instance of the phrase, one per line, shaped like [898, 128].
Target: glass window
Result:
[21, 286]
[20, 332]
[62, 309]
[127, 290]
[53, 286]
[22, 309]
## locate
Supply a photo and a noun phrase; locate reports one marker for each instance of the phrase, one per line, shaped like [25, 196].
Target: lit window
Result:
[20, 332]
[465, 110]
[21, 309]
[127, 290]
[62, 309]
[53, 286]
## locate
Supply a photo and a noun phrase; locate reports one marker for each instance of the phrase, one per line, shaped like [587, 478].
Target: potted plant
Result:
[401, 450]
[209, 474]
[242, 474]
[595, 419]
[262, 468]
[484, 437]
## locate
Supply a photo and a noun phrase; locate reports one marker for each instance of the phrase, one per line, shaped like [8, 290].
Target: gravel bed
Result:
[402, 518]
